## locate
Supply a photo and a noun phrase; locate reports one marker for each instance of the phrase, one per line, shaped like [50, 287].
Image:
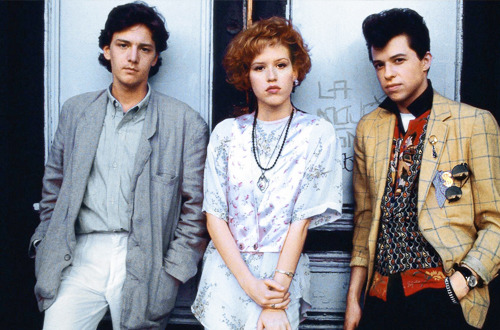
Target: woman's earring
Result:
[296, 82]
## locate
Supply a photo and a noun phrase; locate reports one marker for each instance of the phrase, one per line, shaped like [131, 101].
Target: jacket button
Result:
[255, 246]
[67, 257]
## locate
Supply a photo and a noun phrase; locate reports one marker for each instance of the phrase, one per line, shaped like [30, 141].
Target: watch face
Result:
[472, 281]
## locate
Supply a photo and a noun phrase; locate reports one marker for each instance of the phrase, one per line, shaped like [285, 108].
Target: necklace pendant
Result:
[262, 183]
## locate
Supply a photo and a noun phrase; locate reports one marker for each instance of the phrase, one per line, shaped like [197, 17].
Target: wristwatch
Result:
[470, 278]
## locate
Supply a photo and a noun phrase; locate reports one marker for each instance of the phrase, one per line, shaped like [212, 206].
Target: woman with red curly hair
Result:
[269, 176]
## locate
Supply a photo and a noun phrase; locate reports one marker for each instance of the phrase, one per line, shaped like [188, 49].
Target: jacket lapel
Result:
[148, 131]
[382, 153]
[438, 128]
[87, 134]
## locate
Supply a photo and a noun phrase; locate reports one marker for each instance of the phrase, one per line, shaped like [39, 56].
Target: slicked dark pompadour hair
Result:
[380, 28]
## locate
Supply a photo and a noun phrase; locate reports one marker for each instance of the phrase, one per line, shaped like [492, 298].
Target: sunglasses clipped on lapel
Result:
[444, 182]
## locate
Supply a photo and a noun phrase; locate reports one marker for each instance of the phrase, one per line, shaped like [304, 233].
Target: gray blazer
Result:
[168, 230]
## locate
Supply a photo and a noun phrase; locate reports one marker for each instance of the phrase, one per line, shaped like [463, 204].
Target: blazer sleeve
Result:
[362, 200]
[191, 237]
[484, 257]
[52, 179]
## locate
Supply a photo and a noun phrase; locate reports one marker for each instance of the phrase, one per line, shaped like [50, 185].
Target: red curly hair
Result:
[250, 43]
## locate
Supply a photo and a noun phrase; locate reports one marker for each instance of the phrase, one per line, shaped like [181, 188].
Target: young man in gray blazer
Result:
[121, 220]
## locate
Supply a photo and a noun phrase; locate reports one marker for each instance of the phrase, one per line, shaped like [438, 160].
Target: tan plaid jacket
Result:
[467, 230]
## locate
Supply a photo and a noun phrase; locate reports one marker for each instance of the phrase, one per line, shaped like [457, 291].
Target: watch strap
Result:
[450, 291]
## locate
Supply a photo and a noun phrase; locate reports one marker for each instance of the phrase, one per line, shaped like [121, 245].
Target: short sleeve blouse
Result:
[305, 183]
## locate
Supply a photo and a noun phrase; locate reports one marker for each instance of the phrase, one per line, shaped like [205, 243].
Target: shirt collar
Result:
[418, 107]
[141, 106]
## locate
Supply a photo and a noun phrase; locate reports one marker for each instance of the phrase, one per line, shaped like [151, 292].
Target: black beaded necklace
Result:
[263, 182]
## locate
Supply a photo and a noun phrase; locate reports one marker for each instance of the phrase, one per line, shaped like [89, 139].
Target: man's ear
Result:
[426, 61]
[155, 60]
[105, 50]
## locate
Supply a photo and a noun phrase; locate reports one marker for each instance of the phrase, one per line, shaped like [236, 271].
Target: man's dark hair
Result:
[125, 16]
[380, 28]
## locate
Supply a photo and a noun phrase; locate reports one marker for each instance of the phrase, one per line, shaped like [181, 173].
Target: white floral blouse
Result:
[305, 183]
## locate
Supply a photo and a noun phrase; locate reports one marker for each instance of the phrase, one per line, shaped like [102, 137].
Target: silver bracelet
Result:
[449, 290]
[289, 274]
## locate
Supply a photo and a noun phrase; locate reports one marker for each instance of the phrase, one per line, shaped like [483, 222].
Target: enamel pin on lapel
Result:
[447, 179]
[433, 140]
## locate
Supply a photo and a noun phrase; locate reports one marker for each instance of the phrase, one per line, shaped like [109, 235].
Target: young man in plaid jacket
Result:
[427, 193]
